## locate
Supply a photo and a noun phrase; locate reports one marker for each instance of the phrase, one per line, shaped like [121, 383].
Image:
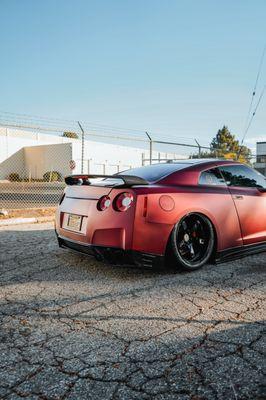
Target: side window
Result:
[211, 177]
[240, 175]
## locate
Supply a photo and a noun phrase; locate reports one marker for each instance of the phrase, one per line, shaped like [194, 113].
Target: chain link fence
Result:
[33, 163]
[37, 153]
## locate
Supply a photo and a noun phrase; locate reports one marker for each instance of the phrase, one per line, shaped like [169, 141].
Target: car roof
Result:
[195, 161]
[155, 173]
[191, 169]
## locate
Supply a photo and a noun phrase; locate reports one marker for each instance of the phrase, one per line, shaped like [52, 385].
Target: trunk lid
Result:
[87, 192]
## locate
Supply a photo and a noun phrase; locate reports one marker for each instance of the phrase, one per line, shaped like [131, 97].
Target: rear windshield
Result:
[155, 172]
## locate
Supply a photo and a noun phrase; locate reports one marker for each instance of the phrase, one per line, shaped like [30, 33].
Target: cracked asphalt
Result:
[75, 328]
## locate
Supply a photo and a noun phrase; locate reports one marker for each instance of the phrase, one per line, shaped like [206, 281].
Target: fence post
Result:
[199, 146]
[82, 147]
[150, 139]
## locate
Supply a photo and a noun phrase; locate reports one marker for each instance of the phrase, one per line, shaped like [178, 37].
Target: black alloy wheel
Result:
[193, 241]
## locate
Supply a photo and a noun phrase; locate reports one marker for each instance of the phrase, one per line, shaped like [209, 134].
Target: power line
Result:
[260, 67]
[251, 119]
[247, 124]
[253, 114]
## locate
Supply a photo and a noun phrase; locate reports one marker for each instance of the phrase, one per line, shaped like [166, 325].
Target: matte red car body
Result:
[146, 226]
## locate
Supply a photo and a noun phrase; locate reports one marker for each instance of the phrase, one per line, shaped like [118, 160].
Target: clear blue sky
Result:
[184, 68]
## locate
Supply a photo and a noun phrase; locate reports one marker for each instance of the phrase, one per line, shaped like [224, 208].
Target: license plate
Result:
[74, 222]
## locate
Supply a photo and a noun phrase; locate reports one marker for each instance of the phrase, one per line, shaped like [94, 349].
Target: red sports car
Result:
[189, 210]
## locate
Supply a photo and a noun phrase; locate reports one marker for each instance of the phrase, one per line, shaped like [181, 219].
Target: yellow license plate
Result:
[74, 222]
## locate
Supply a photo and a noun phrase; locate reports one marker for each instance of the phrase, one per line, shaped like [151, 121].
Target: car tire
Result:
[192, 241]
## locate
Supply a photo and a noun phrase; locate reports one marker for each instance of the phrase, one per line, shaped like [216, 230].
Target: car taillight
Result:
[104, 203]
[123, 201]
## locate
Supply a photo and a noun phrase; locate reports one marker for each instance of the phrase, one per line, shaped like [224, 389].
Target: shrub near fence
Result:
[14, 177]
[52, 176]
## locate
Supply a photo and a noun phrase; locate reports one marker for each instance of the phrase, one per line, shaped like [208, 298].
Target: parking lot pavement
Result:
[20, 195]
[74, 328]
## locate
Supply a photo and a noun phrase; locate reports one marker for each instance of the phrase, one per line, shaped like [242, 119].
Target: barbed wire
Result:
[57, 125]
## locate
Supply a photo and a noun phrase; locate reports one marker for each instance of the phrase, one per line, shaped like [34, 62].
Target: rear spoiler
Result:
[127, 180]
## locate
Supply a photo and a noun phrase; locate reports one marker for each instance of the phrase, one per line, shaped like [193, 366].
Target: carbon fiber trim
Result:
[114, 256]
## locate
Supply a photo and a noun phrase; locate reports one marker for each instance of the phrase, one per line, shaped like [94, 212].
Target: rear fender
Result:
[158, 213]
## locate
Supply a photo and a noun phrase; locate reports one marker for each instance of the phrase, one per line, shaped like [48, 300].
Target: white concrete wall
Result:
[12, 140]
[31, 154]
[106, 158]
[13, 164]
[46, 158]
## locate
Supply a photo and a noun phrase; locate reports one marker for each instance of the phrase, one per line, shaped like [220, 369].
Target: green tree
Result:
[71, 135]
[225, 145]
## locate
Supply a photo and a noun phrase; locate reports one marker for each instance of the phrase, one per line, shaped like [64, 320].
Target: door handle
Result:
[238, 197]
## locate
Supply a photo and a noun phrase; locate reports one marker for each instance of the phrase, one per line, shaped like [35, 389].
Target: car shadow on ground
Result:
[41, 248]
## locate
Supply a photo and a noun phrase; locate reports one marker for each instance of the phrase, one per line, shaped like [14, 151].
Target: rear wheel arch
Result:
[169, 253]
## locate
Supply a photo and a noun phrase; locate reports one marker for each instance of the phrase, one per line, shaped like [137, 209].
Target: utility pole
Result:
[82, 147]
[150, 139]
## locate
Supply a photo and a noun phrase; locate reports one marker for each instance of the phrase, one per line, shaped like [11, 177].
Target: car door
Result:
[247, 188]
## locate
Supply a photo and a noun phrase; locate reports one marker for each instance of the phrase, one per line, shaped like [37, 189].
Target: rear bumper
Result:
[113, 255]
